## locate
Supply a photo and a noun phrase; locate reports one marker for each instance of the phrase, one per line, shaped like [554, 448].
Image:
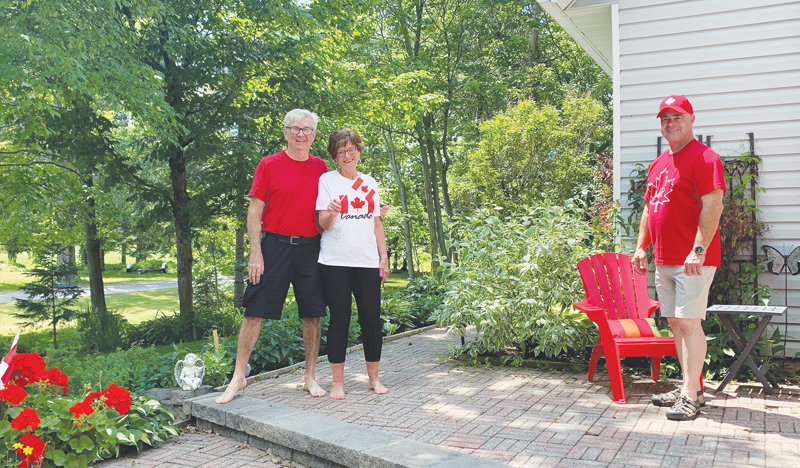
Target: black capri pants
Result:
[339, 285]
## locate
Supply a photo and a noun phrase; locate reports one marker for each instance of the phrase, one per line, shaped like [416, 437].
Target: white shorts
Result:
[683, 296]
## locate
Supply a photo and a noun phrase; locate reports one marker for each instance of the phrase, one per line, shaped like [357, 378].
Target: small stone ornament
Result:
[189, 372]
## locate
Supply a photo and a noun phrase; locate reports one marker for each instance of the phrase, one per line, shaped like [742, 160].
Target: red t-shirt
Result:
[290, 189]
[675, 184]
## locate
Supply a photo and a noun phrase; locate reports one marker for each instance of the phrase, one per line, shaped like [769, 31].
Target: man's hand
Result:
[639, 261]
[693, 265]
[255, 268]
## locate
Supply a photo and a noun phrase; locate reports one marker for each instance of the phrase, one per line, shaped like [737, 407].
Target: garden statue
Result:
[189, 372]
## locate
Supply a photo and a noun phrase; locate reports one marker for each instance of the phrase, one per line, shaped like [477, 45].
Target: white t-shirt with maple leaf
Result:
[351, 241]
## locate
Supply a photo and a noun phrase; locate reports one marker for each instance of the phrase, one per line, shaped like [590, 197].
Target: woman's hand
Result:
[334, 206]
[384, 269]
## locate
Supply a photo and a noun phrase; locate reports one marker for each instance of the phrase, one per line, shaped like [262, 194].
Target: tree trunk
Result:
[94, 257]
[429, 200]
[183, 231]
[124, 253]
[403, 202]
[434, 170]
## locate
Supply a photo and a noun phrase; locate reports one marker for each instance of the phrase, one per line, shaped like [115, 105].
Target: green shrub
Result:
[172, 328]
[516, 281]
[413, 306]
[132, 368]
[102, 331]
[218, 365]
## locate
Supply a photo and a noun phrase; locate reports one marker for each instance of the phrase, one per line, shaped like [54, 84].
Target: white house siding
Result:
[739, 63]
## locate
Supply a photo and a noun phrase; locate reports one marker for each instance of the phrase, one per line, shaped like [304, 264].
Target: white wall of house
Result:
[738, 61]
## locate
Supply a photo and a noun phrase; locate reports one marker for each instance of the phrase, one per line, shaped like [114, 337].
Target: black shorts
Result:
[285, 263]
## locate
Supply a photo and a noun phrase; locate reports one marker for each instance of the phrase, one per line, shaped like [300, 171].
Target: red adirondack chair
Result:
[617, 301]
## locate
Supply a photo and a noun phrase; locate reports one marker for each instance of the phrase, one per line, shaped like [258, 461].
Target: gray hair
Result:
[296, 115]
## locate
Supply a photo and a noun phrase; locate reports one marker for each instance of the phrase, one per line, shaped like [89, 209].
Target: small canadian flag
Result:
[6, 367]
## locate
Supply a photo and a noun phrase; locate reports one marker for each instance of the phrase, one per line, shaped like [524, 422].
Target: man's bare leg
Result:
[374, 381]
[694, 355]
[248, 334]
[690, 342]
[677, 334]
[337, 377]
[311, 335]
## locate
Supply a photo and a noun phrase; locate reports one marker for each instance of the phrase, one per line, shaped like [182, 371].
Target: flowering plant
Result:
[39, 425]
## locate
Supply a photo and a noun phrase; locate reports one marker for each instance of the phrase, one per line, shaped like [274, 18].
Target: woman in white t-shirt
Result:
[352, 257]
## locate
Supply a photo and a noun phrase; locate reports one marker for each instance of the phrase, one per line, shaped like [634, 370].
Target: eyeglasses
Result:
[350, 152]
[297, 130]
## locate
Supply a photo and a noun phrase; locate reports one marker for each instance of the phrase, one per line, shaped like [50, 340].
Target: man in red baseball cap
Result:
[681, 215]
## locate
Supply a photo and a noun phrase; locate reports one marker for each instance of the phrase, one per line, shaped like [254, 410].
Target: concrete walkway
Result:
[531, 417]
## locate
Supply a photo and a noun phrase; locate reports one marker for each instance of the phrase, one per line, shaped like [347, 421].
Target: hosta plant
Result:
[41, 426]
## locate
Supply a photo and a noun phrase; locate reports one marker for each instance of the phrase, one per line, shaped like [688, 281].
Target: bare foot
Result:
[313, 388]
[337, 391]
[378, 387]
[237, 383]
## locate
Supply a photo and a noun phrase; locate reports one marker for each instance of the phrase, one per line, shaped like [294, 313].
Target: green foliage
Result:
[217, 367]
[516, 280]
[174, 328]
[102, 331]
[132, 368]
[535, 152]
[413, 306]
[49, 300]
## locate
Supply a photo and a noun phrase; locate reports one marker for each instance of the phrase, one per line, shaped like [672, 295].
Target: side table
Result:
[745, 347]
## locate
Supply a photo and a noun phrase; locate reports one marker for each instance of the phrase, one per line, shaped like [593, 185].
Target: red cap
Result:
[676, 102]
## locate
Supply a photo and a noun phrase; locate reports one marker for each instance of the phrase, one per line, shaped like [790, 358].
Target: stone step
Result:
[320, 441]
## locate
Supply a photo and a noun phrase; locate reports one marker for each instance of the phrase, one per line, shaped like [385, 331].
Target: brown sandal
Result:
[670, 398]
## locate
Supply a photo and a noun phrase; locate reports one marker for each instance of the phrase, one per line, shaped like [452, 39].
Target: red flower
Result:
[119, 398]
[92, 396]
[26, 418]
[36, 457]
[13, 394]
[82, 408]
[56, 377]
[27, 368]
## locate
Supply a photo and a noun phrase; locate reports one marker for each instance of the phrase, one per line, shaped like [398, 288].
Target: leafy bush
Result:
[413, 306]
[132, 368]
[102, 331]
[172, 328]
[517, 280]
[217, 367]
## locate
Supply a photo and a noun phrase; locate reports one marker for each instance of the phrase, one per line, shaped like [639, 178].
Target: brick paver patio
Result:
[530, 417]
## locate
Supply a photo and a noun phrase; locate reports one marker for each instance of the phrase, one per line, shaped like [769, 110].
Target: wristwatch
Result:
[699, 250]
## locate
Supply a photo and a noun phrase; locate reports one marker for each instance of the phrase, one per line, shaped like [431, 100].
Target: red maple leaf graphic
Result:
[364, 188]
[357, 203]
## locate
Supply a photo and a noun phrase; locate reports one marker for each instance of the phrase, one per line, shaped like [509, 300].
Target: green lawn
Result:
[12, 277]
[135, 306]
